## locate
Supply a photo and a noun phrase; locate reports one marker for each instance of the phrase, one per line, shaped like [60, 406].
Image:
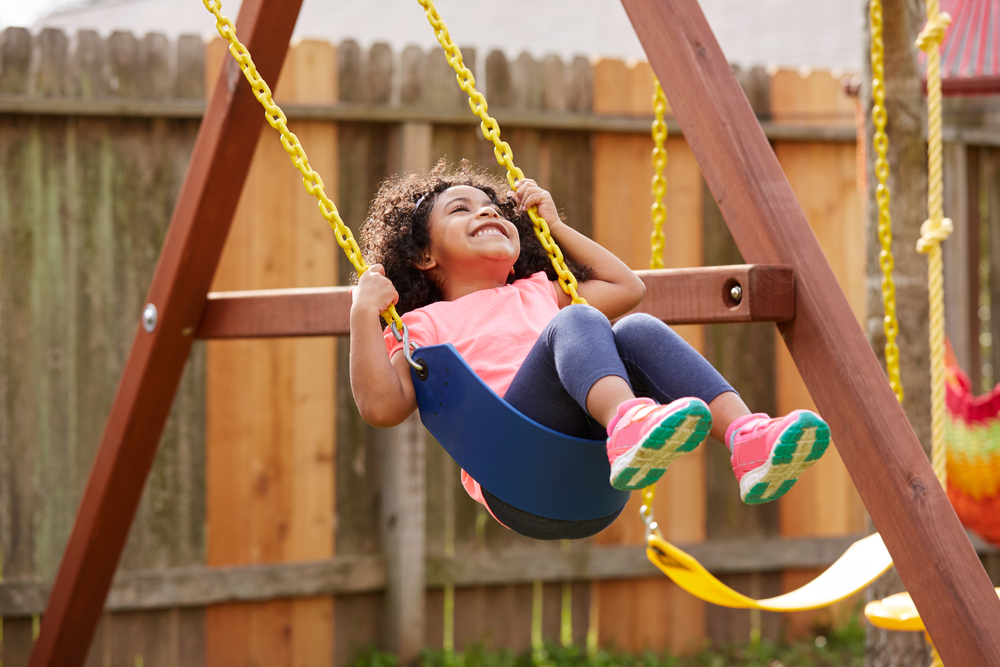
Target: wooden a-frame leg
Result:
[190, 254]
[881, 452]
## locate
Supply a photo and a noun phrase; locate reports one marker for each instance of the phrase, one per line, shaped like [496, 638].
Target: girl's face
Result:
[469, 238]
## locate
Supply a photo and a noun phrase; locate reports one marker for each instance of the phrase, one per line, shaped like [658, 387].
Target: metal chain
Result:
[880, 143]
[659, 211]
[276, 119]
[501, 149]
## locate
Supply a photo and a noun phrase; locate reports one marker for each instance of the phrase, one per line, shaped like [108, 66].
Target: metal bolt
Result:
[737, 293]
[149, 318]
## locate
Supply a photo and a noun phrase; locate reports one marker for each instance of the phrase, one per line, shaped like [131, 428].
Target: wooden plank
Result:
[403, 505]
[364, 156]
[676, 296]
[957, 260]
[824, 502]
[635, 613]
[271, 427]
[157, 359]
[810, 98]
[743, 354]
[200, 586]
[402, 452]
[181, 107]
[991, 187]
[907, 505]
[19, 419]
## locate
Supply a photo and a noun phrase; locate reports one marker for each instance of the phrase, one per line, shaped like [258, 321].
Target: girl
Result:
[455, 251]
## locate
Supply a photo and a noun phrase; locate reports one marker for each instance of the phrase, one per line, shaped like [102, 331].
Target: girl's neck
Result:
[453, 288]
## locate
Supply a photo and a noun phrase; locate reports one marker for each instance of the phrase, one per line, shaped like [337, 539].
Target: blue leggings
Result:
[578, 348]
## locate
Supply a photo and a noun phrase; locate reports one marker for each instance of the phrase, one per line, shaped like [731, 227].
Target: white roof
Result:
[822, 34]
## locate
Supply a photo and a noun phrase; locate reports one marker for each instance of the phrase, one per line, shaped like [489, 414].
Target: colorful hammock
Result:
[972, 434]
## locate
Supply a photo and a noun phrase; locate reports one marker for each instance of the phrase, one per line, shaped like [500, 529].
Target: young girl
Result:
[455, 251]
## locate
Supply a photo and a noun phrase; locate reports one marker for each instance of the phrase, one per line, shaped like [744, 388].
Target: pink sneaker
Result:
[770, 454]
[644, 438]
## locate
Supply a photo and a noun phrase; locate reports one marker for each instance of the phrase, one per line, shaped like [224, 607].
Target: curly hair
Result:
[396, 232]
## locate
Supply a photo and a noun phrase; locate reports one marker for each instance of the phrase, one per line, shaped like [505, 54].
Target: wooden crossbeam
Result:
[190, 254]
[890, 470]
[676, 296]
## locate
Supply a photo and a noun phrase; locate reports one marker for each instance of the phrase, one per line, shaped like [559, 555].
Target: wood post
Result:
[180, 285]
[402, 451]
[888, 466]
[404, 500]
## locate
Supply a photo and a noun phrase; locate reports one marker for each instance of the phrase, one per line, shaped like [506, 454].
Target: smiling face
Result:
[471, 244]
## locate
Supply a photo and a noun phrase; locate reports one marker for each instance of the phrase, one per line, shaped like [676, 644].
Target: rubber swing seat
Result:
[526, 465]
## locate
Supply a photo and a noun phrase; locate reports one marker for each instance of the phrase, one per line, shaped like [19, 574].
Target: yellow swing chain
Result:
[502, 151]
[881, 145]
[657, 241]
[276, 119]
[659, 211]
[935, 229]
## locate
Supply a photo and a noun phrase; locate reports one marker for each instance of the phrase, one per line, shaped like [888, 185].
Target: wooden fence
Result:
[276, 527]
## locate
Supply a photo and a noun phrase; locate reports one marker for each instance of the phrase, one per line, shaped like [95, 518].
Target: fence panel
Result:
[84, 205]
[292, 472]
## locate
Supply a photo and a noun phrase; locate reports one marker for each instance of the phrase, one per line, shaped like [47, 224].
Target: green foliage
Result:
[844, 647]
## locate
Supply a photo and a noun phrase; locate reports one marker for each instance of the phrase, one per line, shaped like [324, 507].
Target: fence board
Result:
[634, 613]
[271, 424]
[365, 153]
[824, 502]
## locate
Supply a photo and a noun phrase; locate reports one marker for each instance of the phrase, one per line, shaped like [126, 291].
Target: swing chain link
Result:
[880, 142]
[501, 149]
[646, 512]
[276, 118]
[416, 364]
[659, 211]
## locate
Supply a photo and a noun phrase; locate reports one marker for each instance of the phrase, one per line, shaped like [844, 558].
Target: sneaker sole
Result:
[799, 445]
[678, 434]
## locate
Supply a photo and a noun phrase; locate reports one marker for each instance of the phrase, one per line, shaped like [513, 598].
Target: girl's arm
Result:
[614, 289]
[383, 388]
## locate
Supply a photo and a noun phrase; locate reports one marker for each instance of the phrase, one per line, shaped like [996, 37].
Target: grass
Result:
[843, 647]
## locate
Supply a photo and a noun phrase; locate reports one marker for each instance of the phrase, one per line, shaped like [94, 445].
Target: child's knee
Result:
[640, 325]
[580, 314]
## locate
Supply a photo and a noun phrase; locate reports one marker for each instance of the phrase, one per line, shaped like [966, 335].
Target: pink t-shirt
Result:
[493, 330]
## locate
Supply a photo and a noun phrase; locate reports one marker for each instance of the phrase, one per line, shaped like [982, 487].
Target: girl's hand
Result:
[529, 194]
[374, 291]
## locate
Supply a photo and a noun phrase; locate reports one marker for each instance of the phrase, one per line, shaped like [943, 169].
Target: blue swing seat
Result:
[526, 465]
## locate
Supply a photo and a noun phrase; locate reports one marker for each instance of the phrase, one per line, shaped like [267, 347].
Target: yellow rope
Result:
[880, 143]
[501, 150]
[276, 119]
[659, 211]
[935, 230]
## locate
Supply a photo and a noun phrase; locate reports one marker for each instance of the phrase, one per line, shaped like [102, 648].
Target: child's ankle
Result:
[624, 407]
[738, 423]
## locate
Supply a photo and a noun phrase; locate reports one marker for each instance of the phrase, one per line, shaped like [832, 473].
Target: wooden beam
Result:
[349, 575]
[882, 454]
[373, 113]
[676, 296]
[180, 284]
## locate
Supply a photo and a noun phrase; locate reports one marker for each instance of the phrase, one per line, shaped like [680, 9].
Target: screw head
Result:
[149, 315]
[737, 293]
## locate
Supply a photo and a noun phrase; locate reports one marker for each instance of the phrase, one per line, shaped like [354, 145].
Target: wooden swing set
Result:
[789, 282]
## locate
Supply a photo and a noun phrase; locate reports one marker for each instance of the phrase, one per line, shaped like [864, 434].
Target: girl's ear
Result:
[425, 262]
